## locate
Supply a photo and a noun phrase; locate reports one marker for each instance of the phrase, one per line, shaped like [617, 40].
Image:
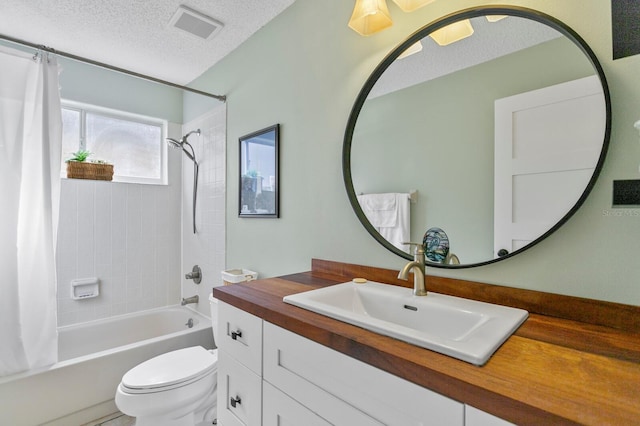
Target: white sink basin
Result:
[464, 329]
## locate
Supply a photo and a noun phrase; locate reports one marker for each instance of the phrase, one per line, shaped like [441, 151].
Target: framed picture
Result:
[259, 174]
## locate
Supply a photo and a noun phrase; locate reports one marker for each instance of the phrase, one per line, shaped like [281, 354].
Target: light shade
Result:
[452, 32]
[496, 18]
[370, 16]
[414, 48]
[411, 5]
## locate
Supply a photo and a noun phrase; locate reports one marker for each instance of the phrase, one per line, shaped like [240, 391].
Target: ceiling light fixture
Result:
[452, 32]
[411, 5]
[496, 18]
[370, 16]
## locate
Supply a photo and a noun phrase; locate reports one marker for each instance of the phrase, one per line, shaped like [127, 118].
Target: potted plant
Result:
[79, 168]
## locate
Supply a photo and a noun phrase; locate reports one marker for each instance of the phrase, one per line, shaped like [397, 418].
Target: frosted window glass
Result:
[133, 148]
[133, 144]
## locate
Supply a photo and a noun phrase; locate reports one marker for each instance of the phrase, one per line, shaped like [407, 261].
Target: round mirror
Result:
[487, 127]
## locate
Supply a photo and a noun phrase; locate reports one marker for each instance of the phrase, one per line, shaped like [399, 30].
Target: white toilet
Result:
[177, 388]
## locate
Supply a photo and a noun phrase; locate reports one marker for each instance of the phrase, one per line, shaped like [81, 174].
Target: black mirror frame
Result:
[276, 214]
[418, 35]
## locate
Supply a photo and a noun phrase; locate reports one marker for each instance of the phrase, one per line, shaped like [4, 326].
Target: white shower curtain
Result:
[30, 150]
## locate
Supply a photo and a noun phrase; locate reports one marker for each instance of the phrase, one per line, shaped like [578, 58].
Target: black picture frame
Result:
[625, 28]
[259, 174]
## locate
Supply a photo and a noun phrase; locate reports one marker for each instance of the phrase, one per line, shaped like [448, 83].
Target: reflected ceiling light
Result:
[411, 5]
[496, 18]
[370, 16]
[414, 48]
[452, 32]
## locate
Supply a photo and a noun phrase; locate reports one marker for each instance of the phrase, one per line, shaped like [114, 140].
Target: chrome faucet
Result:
[418, 267]
[192, 299]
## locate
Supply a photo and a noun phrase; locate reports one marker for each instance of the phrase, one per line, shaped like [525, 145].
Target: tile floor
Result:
[116, 419]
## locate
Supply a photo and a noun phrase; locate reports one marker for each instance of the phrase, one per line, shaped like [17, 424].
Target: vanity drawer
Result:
[240, 335]
[239, 393]
[280, 409]
[340, 388]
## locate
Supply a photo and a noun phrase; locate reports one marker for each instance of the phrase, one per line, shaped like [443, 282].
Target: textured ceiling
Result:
[135, 34]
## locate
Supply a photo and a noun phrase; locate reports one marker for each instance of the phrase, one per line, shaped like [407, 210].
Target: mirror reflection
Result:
[259, 173]
[495, 136]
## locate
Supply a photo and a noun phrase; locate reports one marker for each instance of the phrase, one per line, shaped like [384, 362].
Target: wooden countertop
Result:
[551, 371]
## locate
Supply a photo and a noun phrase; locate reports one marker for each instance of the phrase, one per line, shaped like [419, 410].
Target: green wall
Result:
[304, 70]
[90, 84]
[81, 82]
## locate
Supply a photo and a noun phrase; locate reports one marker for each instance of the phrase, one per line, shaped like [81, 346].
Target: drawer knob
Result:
[235, 401]
[235, 335]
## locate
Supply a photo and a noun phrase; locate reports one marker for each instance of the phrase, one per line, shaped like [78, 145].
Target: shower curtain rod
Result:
[221, 98]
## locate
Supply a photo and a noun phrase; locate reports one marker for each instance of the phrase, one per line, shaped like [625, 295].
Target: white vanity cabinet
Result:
[475, 417]
[270, 376]
[239, 340]
[345, 391]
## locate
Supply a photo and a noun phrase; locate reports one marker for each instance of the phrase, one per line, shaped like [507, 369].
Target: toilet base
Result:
[204, 415]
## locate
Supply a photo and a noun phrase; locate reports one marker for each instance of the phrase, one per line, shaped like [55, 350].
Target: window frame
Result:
[84, 108]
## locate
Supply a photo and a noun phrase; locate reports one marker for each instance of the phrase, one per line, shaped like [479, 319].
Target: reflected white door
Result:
[547, 144]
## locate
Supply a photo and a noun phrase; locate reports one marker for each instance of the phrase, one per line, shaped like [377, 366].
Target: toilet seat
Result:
[170, 370]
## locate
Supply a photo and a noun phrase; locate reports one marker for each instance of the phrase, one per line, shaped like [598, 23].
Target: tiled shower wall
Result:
[206, 248]
[128, 236]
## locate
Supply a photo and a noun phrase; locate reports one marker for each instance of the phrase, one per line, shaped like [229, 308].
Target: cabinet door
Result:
[281, 410]
[239, 393]
[475, 417]
[240, 335]
[323, 379]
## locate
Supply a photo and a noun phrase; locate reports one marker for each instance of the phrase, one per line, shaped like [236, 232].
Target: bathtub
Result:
[93, 357]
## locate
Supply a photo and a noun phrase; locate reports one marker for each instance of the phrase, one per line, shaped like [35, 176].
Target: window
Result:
[132, 143]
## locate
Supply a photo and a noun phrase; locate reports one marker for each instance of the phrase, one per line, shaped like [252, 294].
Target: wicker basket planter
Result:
[88, 170]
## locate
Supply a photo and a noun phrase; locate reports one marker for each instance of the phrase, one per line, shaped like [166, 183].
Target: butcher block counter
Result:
[574, 360]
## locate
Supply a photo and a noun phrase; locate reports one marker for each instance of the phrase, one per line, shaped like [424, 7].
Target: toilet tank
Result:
[213, 309]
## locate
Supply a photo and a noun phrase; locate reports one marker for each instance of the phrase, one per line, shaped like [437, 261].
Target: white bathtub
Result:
[93, 357]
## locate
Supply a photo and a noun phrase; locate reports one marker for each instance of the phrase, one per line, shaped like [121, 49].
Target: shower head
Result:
[174, 143]
[181, 144]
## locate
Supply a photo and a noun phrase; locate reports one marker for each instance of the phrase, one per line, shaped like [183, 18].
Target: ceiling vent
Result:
[195, 23]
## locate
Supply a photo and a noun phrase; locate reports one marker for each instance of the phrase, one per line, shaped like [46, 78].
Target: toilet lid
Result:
[171, 369]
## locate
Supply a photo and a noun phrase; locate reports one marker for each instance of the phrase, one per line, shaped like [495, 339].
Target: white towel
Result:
[390, 214]
[380, 209]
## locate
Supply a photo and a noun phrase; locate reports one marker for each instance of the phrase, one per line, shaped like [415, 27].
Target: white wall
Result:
[206, 248]
[128, 236]
[304, 70]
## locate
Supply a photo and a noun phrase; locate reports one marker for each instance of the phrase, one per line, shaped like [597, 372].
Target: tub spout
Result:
[192, 299]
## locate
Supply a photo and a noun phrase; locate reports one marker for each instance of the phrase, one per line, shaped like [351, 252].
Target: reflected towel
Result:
[384, 215]
[380, 209]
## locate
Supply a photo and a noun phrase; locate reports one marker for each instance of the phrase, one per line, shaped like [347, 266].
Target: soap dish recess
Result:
[85, 288]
